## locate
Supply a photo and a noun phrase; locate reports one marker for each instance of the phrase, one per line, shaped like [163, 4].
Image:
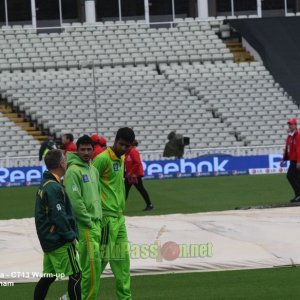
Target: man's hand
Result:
[298, 166]
[74, 242]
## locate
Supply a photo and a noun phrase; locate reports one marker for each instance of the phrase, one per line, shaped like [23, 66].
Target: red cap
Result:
[102, 141]
[99, 140]
[95, 138]
[292, 121]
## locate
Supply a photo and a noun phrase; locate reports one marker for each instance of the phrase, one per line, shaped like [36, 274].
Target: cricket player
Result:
[114, 242]
[83, 188]
[56, 230]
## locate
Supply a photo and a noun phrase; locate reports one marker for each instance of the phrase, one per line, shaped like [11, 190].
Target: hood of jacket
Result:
[74, 159]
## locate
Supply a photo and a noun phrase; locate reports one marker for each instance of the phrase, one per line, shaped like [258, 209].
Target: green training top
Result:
[111, 173]
[82, 186]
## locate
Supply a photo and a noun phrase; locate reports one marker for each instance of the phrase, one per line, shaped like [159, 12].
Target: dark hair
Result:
[69, 136]
[84, 140]
[53, 159]
[125, 134]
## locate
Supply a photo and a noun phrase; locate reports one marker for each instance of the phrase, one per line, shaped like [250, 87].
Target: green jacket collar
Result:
[74, 159]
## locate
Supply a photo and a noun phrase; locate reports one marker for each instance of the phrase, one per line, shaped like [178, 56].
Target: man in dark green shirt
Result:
[56, 230]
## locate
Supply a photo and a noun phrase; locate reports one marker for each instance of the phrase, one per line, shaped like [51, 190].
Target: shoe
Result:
[148, 207]
[64, 297]
[296, 199]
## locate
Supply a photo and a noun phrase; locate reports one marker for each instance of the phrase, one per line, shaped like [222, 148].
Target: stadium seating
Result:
[243, 96]
[14, 141]
[107, 44]
[155, 80]
[64, 101]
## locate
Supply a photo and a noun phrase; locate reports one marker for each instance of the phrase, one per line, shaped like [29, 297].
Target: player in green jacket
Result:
[114, 242]
[56, 229]
[83, 188]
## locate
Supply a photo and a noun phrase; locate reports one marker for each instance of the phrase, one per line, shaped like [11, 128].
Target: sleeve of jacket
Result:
[298, 147]
[57, 213]
[72, 182]
[136, 162]
[100, 163]
[285, 154]
[42, 149]
[98, 180]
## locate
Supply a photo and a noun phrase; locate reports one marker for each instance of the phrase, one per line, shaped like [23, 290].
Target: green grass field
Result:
[183, 196]
[264, 284]
[175, 195]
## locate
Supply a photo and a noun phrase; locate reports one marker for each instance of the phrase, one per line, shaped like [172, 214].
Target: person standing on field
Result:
[114, 241]
[292, 153]
[56, 229]
[134, 172]
[83, 188]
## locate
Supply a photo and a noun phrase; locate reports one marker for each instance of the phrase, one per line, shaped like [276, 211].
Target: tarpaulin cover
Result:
[213, 241]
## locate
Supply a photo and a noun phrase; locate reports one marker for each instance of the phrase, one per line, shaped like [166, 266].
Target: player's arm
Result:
[72, 182]
[298, 150]
[136, 161]
[57, 213]
[285, 155]
[41, 151]
[98, 181]
[101, 163]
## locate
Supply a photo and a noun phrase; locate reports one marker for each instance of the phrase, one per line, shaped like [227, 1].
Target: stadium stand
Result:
[109, 45]
[243, 96]
[64, 101]
[156, 80]
[15, 141]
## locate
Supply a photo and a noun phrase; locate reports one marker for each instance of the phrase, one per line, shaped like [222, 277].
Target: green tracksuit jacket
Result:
[114, 234]
[82, 186]
[54, 218]
[111, 171]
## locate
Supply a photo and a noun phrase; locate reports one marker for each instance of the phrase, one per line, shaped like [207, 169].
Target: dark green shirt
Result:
[54, 219]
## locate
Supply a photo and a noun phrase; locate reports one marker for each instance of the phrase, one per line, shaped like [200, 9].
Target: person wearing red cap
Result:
[292, 153]
[99, 145]
[134, 172]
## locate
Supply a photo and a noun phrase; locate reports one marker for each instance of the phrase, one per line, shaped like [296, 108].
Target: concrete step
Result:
[236, 50]
[16, 119]
[233, 44]
[40, 138]
[5, 111]
[11, 115]
[35, 133]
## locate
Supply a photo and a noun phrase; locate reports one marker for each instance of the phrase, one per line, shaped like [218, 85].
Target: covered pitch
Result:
[214, 241]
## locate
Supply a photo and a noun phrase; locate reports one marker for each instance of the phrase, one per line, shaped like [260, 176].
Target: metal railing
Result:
[27, 161]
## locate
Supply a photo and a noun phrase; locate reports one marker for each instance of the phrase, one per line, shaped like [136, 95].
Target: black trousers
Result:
[293, 176]
[140, 187]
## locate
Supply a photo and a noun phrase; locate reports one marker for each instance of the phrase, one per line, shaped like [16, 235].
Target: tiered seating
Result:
[244, 96]
[64, 101]
[155, 80]
[110, 45]
[14, 141]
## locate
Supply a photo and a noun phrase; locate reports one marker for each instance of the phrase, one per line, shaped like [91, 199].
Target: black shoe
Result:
[148, 207]
[296, 199]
